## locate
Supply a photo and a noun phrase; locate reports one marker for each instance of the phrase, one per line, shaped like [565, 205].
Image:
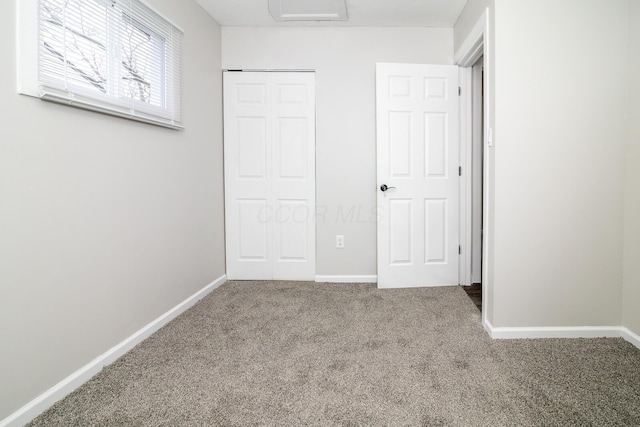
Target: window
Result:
[114, 56]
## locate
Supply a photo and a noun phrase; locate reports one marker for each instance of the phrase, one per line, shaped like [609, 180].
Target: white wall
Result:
[105, 223]
[631, 294]
[344, 60]
[559, 155]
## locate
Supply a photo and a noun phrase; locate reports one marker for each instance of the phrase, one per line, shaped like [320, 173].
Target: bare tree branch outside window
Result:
[82, 47]
[137, 53]
[78, 35]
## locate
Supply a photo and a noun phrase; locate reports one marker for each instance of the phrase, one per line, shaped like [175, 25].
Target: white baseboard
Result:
[488, 327]
[562, 332]
[41, 403]
[630, 336]
[347, 279]
[556, 332]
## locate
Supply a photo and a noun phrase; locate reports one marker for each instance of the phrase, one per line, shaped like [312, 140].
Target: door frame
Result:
[476, 45]
[476, 172]
[468, 145]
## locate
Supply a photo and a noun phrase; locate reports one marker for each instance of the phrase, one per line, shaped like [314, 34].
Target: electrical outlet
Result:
[340, 241]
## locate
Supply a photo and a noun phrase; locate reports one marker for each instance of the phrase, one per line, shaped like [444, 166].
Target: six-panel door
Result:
[417, 158]
[269, 150]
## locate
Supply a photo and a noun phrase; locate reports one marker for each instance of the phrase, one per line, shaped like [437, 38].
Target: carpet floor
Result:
[291, 353]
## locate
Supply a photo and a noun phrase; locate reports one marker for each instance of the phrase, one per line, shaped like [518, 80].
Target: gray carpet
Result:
[286, 353]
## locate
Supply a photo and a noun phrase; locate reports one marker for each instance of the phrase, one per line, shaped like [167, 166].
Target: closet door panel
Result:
[269, 149]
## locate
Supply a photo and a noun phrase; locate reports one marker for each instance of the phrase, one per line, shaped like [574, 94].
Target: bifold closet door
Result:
[269, 161]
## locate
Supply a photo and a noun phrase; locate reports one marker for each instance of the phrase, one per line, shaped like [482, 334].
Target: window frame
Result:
[110, 102]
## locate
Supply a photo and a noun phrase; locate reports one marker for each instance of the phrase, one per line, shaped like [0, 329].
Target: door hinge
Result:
[459, 249]
[459, 170]
[459, 91]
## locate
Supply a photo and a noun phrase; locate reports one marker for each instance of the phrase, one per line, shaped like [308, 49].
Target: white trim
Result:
[476, 173]
[487, 184]
[475, 45]
[27, 59]
[41, 403]
[562, 332]
[472, 47]
[416, 286]
[347, 279]
[58, 97]
[556, 332]
[466, 132]
[488, 327]
[631, 336]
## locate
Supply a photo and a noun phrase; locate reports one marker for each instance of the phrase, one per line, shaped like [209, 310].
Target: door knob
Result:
[385, 187]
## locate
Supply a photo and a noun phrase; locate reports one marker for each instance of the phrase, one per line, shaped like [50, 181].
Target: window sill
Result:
[87, 104]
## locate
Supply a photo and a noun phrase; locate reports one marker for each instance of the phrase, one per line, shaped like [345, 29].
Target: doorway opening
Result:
[474, 57]
[475, 156]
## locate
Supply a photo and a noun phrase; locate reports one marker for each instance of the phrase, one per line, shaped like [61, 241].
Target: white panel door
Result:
[269, 156]
[417, 148]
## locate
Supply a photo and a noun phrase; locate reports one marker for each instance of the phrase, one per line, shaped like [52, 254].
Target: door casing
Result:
[477, 45]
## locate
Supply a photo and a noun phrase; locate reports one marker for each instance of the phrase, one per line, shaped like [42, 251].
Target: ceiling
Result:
[361, 13]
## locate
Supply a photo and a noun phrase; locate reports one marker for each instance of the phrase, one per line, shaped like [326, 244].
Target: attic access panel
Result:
[308, 10]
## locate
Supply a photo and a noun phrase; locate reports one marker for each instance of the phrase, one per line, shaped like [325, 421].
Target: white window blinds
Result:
[114, 56]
